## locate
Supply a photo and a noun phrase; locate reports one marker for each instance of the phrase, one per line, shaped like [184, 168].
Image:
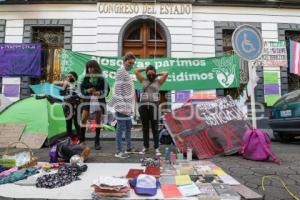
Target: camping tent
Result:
[47, 89]
[39, 116]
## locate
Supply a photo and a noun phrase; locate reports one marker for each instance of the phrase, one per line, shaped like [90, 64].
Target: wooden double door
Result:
[146, 40]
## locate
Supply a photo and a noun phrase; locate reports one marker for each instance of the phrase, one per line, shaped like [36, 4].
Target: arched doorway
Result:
[146, 38]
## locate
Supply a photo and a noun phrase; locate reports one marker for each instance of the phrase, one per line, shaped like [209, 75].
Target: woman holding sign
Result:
[149, 107]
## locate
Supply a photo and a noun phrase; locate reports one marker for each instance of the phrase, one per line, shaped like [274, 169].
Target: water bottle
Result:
[189, 154]
[167, 153]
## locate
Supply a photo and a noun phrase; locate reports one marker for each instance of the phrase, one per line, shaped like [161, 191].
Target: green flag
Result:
[184, 73]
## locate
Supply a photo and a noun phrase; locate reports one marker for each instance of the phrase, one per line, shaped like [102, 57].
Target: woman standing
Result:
[70, 91]
[149, 107]
[94, 89]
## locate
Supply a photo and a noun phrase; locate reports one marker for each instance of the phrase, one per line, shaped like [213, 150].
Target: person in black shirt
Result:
[94, 89]
[70, 91]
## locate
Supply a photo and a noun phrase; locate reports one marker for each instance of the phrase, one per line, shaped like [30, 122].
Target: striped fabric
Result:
[294, 57]
[123, 99]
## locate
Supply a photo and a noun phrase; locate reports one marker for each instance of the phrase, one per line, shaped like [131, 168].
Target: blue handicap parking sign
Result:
[247, 42]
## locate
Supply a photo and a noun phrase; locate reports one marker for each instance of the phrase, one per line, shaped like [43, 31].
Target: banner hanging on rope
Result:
[184, 73]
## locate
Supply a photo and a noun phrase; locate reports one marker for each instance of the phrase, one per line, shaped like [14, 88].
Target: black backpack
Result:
[165, 137]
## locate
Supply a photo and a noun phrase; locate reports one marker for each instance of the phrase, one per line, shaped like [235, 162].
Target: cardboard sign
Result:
[34, 141]
[213, 128]
[10, 133]
[275, 54]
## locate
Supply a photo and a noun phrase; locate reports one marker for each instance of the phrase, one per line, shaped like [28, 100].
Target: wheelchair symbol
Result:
[247, 45]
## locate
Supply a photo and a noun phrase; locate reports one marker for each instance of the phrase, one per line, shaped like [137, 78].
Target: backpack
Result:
[164, 137]
[256, 146]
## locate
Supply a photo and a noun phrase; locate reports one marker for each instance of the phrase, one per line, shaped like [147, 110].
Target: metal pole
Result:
[252, 94]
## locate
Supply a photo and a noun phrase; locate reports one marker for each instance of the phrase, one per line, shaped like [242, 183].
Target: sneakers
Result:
[121, 155]
[131, 151]
[144, 150]
[157, 152]
[98, 147]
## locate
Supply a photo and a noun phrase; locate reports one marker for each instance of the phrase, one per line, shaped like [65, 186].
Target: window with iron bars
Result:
[52, 40]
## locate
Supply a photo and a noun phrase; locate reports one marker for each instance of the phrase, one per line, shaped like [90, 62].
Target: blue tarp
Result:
[47, 89]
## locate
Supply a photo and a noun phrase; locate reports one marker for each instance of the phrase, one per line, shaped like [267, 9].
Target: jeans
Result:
[149, 116]
[124, 124]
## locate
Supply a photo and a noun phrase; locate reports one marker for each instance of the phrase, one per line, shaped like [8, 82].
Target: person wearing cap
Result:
[149, 106]
[123, 101]
[145, 185]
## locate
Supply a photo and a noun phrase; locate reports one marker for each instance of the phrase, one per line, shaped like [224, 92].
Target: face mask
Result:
[128, 67]
[72, 80]
[151, 77]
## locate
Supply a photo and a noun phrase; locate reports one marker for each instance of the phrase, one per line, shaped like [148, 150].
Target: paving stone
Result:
[252, 179]
[272, 192]
[264, 171]
[240, 171]
[295, 177]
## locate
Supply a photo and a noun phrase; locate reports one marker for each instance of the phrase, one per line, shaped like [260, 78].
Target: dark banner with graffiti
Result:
[210, 129]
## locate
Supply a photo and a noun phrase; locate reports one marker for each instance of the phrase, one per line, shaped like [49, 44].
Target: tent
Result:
[4, 102]
[39, 116]
[47, 89]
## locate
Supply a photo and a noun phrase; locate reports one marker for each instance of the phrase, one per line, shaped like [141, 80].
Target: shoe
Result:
[98, 147]
[85, 153]
[144, 150]
[121, 155]
[131, 151]
[157, 152]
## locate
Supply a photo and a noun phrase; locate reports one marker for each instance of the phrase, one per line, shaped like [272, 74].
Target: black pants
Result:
[149, 116]
[70, 111]
[66, 151]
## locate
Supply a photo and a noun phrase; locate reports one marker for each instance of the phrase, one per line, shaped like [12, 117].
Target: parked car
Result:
[285, 117]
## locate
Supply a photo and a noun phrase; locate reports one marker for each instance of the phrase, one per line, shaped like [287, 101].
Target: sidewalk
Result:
[136, 134]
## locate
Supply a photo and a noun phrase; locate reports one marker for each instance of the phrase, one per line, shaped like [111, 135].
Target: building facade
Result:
[147, 28]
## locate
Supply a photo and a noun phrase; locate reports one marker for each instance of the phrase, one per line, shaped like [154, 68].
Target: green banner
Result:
[184, 73]
[271, 99]
[271, 77]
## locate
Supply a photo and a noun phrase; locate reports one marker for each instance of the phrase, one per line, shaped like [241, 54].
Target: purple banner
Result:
[20, 60]
[11, 90]
[182, 96]
[271, 89]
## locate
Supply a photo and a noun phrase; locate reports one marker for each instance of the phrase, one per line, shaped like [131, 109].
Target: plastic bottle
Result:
[189, 154]
[167, 153]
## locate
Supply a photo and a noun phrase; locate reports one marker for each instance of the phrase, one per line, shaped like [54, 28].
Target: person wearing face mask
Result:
[123, 101]
[149, 106]
[70, 92]
[94, 89]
